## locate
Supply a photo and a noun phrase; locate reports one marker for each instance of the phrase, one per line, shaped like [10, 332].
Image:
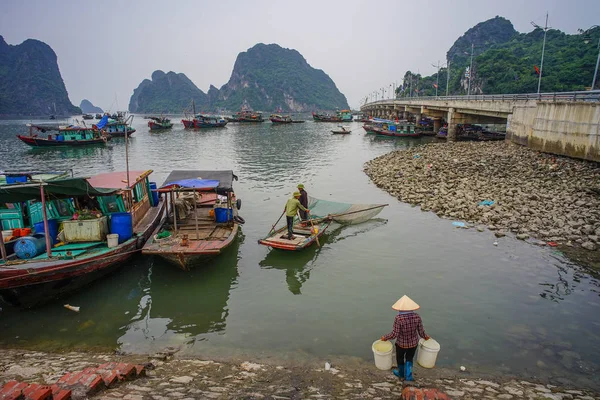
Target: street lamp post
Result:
[545, 28]
[470, 71]
[586, 40]
[447, 77]
[437, 77]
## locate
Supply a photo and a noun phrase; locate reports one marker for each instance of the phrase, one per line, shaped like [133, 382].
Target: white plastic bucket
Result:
[382, 351]
[7, 234]
[112, 239]
[428, 351]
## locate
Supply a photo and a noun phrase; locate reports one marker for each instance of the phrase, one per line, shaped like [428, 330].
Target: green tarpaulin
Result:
[56, 189]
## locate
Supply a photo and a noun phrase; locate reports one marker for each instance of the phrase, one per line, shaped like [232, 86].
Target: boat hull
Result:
[40, 142]
[187, 258]
[277, 242]
[195, 124]
[385, 132]
[159, 127]
[130, 132]
[36, 282]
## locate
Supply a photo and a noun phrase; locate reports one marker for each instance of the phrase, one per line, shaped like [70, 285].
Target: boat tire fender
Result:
[238, 204]
[140, 242]
[239, 220]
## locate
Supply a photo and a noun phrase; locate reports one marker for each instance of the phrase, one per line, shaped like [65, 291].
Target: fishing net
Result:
[343, 213]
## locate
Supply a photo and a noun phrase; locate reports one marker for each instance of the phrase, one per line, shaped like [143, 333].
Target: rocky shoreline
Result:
[169, 377]
[506, 188]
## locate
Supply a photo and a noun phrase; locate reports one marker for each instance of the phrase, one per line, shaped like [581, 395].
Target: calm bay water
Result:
[513, 308]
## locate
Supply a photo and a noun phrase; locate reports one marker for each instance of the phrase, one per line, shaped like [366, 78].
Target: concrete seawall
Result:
[566, 128]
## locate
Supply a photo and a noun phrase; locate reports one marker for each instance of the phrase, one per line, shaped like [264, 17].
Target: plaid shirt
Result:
[407, 329]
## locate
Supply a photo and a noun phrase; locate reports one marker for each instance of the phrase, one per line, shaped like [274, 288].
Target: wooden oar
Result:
[273, 227]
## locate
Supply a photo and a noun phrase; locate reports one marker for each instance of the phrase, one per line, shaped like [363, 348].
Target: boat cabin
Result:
[71, 210]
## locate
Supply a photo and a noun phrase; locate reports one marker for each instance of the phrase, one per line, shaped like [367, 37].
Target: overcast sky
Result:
[106, 48]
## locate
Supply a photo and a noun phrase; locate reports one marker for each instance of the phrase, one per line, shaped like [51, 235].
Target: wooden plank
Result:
[76, 246]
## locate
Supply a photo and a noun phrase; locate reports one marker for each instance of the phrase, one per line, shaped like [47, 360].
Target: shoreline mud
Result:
[171, 377]
[509, 189]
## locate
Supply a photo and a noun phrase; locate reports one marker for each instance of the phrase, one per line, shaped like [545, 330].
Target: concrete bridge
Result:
[566, 123]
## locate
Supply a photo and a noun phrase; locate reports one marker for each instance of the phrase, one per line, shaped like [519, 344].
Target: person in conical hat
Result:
[303, 199]
[408, 326]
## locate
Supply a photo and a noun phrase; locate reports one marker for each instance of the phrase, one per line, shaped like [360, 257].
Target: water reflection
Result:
[299, 264]
[177, 307]
[296, 264]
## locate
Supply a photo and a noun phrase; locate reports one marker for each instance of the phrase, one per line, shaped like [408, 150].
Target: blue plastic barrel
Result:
[60, 138]
[121, 224]
[30, 246]
[154, 194]
[16, 179]
[52, 228]
[223, 215]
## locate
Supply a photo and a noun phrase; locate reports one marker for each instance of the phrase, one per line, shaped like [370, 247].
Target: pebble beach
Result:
[168, 377]
[499, 186]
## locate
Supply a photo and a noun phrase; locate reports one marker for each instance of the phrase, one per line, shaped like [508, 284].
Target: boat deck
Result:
[302, 236]
[203, 233]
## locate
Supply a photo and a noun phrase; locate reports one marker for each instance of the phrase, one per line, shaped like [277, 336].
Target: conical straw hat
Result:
[405, 304]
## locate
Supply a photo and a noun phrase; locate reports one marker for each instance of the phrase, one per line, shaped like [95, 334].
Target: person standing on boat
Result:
[408, 326]
[303, 200]
[291, 208]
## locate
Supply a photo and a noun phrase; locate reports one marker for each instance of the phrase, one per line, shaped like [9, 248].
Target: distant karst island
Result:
[30, 81]
[87, 107]
[266, 77]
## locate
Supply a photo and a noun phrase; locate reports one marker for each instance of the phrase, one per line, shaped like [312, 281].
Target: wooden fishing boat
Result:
[298, 121]
[322, 214]
[321, 117]
[87, 116]
[342, 130]
[280, 119]
[204, 121]
[63, 136]
[159, 123]
[202, 221]
[340, 116]
[304, 235]
[396, 129]
[84, 256]
[246, 116]
[118, 127]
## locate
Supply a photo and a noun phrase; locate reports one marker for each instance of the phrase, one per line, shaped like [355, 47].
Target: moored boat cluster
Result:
[506, 187]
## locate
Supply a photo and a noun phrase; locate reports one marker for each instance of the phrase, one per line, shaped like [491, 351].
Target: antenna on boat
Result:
[194, 106]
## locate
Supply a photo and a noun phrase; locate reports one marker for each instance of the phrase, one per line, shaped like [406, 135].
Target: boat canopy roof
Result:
[57, 189]
[118, 180]
[56, 127]
[222, 181]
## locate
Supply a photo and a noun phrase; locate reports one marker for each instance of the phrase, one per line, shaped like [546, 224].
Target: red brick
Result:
[126, 371]
[413, 393]
[109, 378]
[37, 392]
[60, 394]
[12, 390]
[140, 370]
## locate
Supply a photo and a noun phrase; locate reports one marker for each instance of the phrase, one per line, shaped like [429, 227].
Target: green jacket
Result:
[292, 206]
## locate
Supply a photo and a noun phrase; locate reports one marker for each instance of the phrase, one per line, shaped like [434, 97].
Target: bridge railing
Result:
[590, 95]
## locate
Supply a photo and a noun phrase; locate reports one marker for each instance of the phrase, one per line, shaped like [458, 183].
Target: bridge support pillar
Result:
[437, 124]
[454, 118]
[405, 115]
[417, 118]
